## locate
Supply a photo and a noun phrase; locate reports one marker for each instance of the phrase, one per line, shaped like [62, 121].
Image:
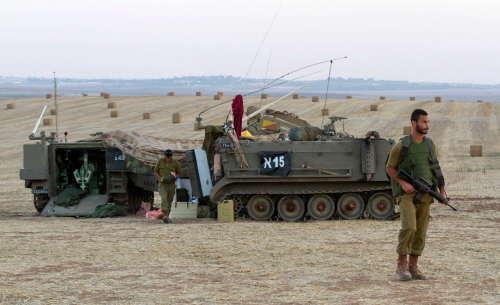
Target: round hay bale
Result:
[54, 111]
[115, 114]
[479, 101]
[48, 95]
[11, 106]
[373, 107]
[264, 96]
[412, 98]
[217, 97]
[112, 105]
[382, 98]
[325, 112]
[295, 96]
[47, 122]
[103, 93]
[146, 116]
[171, 94]
[315, 99]
[348, 97]
[198, 93]
[107, 95]
[437, 99]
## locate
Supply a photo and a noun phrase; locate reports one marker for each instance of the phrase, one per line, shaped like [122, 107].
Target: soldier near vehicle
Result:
[416, 154]
[167, 171]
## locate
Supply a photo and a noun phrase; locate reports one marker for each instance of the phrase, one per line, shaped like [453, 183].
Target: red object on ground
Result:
[237, 114]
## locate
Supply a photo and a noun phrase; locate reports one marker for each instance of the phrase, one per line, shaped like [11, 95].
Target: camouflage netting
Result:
[146, 149]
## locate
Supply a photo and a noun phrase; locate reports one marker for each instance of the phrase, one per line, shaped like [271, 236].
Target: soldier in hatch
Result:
[163, 171]
[417, 155]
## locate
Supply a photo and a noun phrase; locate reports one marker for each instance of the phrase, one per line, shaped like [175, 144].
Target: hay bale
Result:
[102, 94]
[325, 111]
[47, 122]
[146, 116]
[412, 98]
[348, 97]
[437, 99]
[406, 130]
[107, 95]
[220, 93]
[382, 98]
[176, 118]
[479, 101]
[217, 97]
[54, 111]
[315, 99]
[112, 105]
[198, 93]
[295, 96]
[48, 95]
[373, 107]
[11, 106]
[171, 94]
[476, 150]
[85, 94]
[264, 96]
[115, 114]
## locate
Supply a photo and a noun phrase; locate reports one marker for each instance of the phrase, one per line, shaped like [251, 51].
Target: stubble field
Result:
[48, 260]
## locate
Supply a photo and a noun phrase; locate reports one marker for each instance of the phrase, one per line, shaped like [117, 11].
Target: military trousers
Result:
[414, 223]
[167, 192]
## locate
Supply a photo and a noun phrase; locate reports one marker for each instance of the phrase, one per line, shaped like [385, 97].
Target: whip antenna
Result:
[55, 102]
[260, 46]
[327, 86]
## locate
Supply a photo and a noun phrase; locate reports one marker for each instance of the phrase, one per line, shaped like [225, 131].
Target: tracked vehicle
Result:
[50, 167]
[316, 173]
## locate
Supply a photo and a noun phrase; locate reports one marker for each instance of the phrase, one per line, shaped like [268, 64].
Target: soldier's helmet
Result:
[168, 153]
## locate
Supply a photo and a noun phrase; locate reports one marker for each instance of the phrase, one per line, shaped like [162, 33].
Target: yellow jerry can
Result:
[225, 211]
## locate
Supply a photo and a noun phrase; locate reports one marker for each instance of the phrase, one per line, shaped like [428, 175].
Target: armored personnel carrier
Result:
[312, 172]
[99, 172]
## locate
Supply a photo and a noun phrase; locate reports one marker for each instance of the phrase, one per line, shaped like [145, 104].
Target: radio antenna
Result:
[57, 108]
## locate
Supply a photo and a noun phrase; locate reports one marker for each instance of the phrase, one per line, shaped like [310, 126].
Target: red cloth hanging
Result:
[237, 113]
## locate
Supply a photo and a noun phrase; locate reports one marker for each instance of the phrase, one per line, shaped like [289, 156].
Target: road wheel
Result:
[381, 206]
[350, 206]
[260, 207]
[321, 207]
[291, 208]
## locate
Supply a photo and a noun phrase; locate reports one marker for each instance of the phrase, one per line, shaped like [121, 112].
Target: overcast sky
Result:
[438, 40]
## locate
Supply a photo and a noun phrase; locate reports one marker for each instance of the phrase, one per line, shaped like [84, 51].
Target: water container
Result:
[225, 211]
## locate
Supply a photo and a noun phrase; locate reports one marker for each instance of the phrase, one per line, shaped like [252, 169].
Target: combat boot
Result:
[166, 219]
[402, 269]
[413, 268]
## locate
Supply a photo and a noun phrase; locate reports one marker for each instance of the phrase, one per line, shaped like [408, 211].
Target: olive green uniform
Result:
[414, 217]
[167, 188]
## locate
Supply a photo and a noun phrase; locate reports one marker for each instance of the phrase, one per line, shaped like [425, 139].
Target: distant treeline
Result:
[221, 81]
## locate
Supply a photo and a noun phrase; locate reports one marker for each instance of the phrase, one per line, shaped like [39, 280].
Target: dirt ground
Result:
[49, 260]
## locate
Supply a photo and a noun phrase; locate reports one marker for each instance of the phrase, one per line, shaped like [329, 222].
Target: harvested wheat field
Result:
[130, 260]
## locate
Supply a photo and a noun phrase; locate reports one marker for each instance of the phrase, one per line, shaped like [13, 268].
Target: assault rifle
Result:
[422, 187]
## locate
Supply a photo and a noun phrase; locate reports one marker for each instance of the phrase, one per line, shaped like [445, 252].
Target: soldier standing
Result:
[417, 155]
[166, 187]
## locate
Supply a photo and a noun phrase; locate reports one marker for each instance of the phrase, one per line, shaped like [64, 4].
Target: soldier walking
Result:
[166, 187]
[417, 155]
